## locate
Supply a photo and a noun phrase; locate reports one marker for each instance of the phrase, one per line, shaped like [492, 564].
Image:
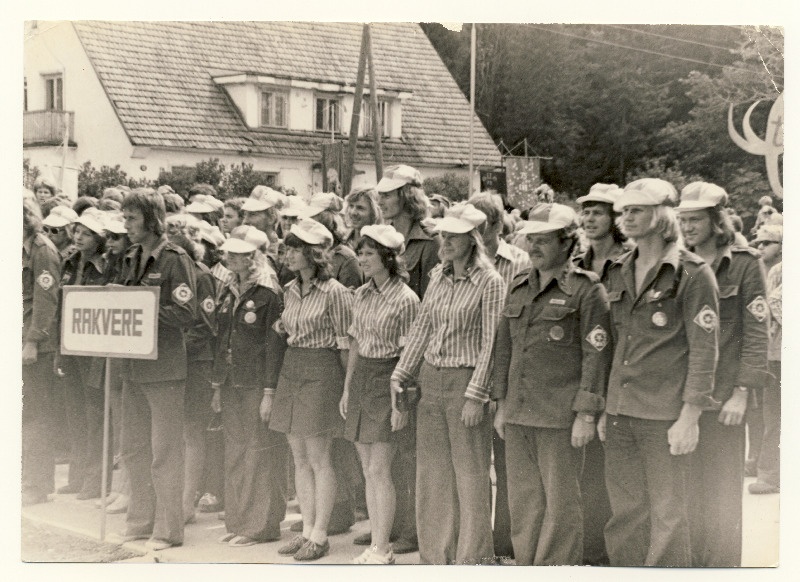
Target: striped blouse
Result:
[382, 316]
[510, 261]
[456, 326]
[319, 319]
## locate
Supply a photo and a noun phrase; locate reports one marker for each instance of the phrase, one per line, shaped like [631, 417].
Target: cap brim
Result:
[253, 205]
[634, 198]
[55, 222]
[389, 184]
[689, 205]
[237, 245]
[595, 198]
[537, 227]
[198, 208]
[454, 225]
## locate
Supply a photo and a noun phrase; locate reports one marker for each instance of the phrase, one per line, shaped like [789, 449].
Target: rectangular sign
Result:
[113, 322]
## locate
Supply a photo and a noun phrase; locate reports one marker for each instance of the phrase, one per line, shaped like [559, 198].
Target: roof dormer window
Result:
[327, 114]
[274, 108]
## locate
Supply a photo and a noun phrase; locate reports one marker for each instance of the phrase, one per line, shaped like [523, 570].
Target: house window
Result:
[54, 93]
[328, 113]
[274, 106]
[366, 117]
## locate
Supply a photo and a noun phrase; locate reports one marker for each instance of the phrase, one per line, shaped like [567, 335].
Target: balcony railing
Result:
[47, 127]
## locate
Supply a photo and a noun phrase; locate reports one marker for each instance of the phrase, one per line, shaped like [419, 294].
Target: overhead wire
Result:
[647, 51]
[665, 36]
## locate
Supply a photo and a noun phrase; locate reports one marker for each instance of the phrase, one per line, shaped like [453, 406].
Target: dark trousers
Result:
[596, 507]
[647, 491]
[501, 530]
[769, 462]
[214, 468]
[85, 419]
[454, 510]
[544, 496]
[152, 450]
[754, 418]
[255, 467]
[38, 413]
[716, 480]
[404, 477]
[197, 415]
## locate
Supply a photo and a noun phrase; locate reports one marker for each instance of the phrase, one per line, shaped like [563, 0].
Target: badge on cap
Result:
[249, 317]
[758, 307]
[45, 280]
[208, 304]
[659, 319]
[249, 305]
[182, 294]
[706, 318]
[598, 337]
[556, 332]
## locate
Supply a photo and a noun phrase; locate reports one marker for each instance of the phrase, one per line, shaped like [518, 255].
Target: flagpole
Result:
[472, 108]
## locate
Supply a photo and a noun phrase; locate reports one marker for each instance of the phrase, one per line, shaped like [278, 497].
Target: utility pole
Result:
[347, 178]
[473, 44]
[377, 125]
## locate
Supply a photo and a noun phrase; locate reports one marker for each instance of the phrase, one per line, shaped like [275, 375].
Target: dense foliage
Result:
[605, 112]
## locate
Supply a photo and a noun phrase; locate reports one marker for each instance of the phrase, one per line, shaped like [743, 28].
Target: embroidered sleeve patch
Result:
[598, 338]
[182, 294]
[208, 305]
[758, 307]
[278, 327]
[706, 318]
[45, 280]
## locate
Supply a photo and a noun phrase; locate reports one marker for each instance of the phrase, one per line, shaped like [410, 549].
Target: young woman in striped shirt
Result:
[383, 311]
[316, 318]
[454, 334]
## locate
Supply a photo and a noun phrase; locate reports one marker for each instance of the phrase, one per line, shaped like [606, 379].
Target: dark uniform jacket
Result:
[743, 321]
[200, 335]
[41, 271]
[553, 353]
[666, 337]
[421, 256]
[249, 350]
[170, 269]
[345, 267]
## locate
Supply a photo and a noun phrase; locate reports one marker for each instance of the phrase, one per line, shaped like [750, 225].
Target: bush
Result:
[29, 174]
[92, 182]
[450, 185]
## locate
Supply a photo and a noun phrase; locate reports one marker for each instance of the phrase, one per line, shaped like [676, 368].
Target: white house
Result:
[161, 95]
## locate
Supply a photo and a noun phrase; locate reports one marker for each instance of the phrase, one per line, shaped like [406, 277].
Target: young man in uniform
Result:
[153, 390]
[41, 272]
[551, 366]
[716, 476]
[664, 306]
[604, 247]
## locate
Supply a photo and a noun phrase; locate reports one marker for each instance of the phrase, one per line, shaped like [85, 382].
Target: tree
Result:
[92, 182]
[29, 173]
[449, 185]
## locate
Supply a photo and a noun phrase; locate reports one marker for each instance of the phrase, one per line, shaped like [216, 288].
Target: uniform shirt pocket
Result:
[559, 324]
[728, 300]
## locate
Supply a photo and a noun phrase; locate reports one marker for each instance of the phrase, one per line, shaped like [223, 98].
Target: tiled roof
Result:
[158, 76]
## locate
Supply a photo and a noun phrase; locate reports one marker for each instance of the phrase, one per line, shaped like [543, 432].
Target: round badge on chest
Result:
[659, 319]
[556, 333]
[249, 317]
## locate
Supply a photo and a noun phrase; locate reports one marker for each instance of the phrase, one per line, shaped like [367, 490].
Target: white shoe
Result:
[373, 556]
[109, 500]
[120, 505]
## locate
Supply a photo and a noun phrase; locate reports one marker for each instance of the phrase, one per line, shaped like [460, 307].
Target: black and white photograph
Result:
[384, 289]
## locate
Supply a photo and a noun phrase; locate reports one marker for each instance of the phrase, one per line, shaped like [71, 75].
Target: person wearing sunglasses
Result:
[57, 227]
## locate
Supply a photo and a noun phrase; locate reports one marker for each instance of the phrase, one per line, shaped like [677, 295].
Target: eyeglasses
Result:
[53, 229]
[114, 236]
[766, 243]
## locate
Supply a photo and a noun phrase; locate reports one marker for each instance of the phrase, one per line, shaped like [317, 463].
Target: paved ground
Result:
[65, 513]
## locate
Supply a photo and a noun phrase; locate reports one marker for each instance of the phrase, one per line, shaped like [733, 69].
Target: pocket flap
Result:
[615, 295]
[728, 291]
[555, 312]
[513, 310]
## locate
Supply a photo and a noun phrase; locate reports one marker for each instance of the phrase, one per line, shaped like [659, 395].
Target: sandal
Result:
[312, 551]
[293, 546]
[242, 542]
[226, 538]
[372, 556]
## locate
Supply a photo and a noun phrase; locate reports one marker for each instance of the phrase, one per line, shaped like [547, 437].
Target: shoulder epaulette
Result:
[591, 275]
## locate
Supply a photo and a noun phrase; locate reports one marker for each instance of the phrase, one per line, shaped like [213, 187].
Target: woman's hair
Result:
[84, 202]
[413, 201]
[370, 196]
[327, 218]
[192, 248]
[235, 204]
[616, 233]
[172, 202]
[31, 216]
[99, 240]
[390, 259]
[151, 205]
[721, 226]
[318, 257]
[109, 205]
[49, 204]
[478, 256]
[570, 233]
[206, 189]
[42, 182]
[491, 205]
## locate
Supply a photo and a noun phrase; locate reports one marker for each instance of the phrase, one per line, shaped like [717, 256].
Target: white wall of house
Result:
[54, 48]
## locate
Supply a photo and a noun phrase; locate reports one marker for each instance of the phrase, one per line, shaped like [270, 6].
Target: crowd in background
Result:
[378, 355]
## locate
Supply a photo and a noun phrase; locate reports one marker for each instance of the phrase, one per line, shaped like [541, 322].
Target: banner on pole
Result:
[332, 164]
[522, 178]
[112, 322]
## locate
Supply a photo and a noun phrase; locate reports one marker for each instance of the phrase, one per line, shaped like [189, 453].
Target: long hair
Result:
[31, 216]
[390, 259]
[370, 196]
[413, 201]
[478, 256]
[236, 205]
[328, 219]
[664, 222]
[721, 226]
[151, 205]
[318, 257]
[615, 231]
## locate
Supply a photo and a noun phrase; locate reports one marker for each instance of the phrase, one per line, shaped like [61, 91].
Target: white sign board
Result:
[113, 322]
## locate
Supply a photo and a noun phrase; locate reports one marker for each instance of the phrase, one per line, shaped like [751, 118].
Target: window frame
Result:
[328, 98]
[365, 123]
[273, 92]
[54, 96]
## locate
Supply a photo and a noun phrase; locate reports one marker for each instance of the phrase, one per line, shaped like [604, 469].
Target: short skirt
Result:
[369, 404]
[306, 401]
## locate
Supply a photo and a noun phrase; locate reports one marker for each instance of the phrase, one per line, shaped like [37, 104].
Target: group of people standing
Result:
[604, 362]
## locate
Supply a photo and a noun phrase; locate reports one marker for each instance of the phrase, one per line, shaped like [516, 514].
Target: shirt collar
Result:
[723, 255]
[417, 232]
[470, 274]
[136, 249]
[562, 279]
[27, 244]
[504, 251]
